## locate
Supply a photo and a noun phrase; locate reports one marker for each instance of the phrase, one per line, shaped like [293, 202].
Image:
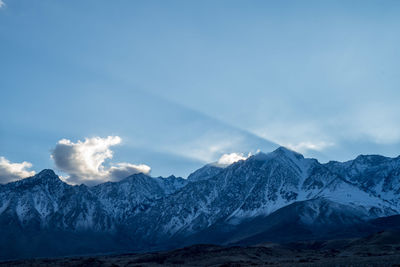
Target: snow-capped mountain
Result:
[251, 188]
[47, 202]
[375, 174]
[215, 204]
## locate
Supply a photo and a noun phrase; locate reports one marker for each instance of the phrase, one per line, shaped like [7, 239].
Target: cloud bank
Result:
[83, 161]
[228, 159]
[14, 171]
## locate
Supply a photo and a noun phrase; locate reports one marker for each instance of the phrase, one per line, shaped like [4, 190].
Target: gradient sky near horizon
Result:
[183, 82]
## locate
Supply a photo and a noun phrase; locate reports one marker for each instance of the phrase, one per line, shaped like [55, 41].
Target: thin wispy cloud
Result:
[2, 4]
[83, 161]
[14, 171]
[379, 122]
[309, 145]
[299, 136]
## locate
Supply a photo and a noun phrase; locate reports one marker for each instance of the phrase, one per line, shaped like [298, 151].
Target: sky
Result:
[97, 89]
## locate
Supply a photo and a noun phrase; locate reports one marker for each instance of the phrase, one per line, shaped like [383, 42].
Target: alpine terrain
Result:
[276, 197]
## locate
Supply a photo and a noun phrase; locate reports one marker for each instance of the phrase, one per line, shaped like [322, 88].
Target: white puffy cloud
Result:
[121, 170]
[83, 161]
[14, 171]
[2, 4]
[228, 159]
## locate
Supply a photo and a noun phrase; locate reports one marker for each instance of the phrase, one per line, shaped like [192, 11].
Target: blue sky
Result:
[184, 82]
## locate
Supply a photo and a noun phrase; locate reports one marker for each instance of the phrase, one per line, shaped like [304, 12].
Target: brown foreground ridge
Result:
[380, 249]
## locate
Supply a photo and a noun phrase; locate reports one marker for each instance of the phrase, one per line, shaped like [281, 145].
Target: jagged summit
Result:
[170, 177]
[47, 173]
[46, 176]
[205, 172]
[283, 151]
[134, 176]
[377, 159]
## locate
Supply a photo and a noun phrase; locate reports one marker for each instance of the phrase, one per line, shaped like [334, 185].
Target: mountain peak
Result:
[134, 177]
[283, 151]
[279, 152]
[47, 174]
[205, 172]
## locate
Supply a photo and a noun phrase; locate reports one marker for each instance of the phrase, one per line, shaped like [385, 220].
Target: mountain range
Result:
[276, 197]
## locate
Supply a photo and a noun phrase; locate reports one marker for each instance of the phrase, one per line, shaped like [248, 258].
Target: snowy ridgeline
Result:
[150, 210]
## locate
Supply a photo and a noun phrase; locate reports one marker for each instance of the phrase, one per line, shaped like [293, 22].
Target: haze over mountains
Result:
[280, 196]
